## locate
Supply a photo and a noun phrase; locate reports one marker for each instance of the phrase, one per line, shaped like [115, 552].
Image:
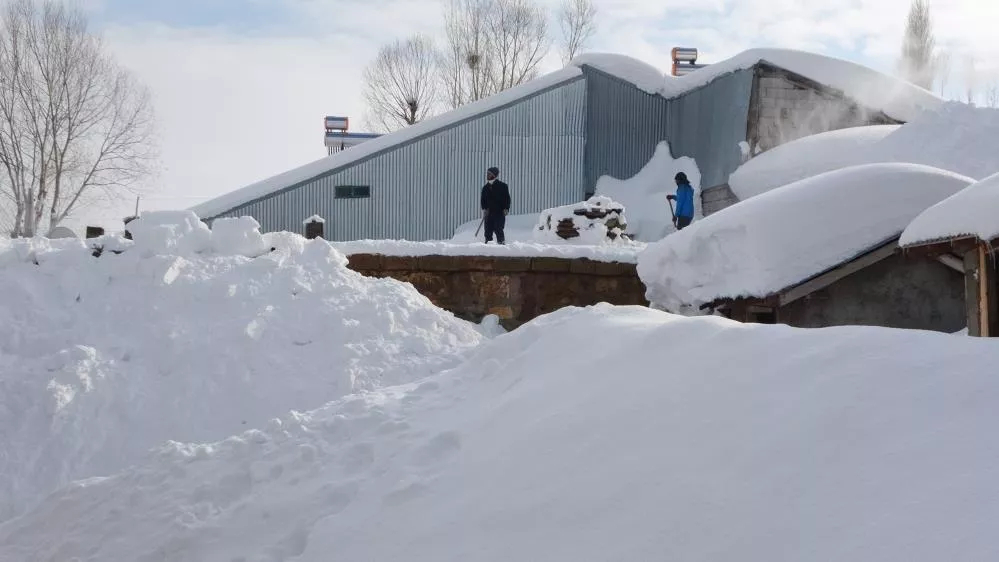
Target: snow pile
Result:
[642, 75]
[861, 444]
[624, 253]
[598, 220]
[781, 238]
[518, 228]
[973, 211]
[806, 157]
[103, 358]
[649, 218]
[955, 137]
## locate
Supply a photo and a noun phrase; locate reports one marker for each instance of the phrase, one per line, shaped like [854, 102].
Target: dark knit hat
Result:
[681, 177]
[494, 171]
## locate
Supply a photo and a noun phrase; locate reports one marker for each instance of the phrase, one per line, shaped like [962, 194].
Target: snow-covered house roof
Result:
[898, 99]
[780, 239]
[971, 213]
[955, 137]
[806, 157]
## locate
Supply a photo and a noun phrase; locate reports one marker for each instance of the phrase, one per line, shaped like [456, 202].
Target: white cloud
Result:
[234, 108]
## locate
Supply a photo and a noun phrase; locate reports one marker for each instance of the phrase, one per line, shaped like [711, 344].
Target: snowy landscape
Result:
[189, 385]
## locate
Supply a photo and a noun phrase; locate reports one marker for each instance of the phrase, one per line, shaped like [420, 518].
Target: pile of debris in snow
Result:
[598, 220]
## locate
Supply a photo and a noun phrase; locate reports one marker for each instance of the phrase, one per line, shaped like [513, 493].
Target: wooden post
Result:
[971, 292]
[94, 231]
[983, 292]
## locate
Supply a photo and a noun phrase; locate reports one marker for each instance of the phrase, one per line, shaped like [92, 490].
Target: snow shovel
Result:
[483, 220]
[670, 201]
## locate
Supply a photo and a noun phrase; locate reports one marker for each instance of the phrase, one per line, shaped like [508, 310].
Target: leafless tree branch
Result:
[400, 86]
[578, 22]
[73, 125]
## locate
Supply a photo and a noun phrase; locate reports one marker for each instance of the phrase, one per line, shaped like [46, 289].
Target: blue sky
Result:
[240, 86]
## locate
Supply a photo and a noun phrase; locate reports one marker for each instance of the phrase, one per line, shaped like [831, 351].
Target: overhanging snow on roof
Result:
[769, 243]
[971, 213]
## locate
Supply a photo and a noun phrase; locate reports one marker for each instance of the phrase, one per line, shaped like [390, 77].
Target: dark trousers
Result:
[494, 223]
[682, 222]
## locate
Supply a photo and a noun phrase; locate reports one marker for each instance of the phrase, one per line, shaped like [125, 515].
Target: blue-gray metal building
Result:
[552, 140]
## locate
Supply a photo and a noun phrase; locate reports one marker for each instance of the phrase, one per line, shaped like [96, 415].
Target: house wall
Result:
[625, 124]
[785, 107]
[895, 293]
[425, 188]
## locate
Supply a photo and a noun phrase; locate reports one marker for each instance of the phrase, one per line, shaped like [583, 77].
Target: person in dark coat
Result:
[495, 205]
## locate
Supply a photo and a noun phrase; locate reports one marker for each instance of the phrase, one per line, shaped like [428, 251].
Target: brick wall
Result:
[515, 289]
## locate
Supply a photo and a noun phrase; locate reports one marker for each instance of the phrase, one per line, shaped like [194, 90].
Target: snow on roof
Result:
[955, 137]
[316, 168]
[779, 239]
[806, 157]
[314, 218]
[974, 211]
[897, 98]
[640, 74]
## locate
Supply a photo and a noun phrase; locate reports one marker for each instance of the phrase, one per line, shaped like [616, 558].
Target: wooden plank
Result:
[821, 282]
[951, 261]
[971, 293]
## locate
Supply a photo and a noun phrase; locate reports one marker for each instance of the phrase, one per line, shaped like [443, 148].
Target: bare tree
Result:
[519, 33]
[918, 46]
[578, 22]
[491, 45]
[971, 78]
[400, 86]
[464, 63]
[942, 65]
[73, 124]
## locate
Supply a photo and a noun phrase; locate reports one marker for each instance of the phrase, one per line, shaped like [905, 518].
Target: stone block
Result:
[478, 263]
[511, 265]
[615, 269]
[582, 266]
[441, 263]
[364, 262]
[550, 265]
[400, 263]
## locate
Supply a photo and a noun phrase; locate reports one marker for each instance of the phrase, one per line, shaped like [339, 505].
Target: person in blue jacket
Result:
[684, 198]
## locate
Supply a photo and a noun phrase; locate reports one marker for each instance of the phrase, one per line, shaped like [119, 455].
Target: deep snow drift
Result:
[644, 194]
[785, 236]
[624, 253]
[518, 228]
[973, 212]
[694, 439]
[955, 136]
[183, 337]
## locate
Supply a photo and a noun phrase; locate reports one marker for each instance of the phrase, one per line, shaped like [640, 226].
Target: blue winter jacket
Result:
[684, 200]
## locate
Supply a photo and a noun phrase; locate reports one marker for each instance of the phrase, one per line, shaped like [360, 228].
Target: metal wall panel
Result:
[425, 188]
[625, 124]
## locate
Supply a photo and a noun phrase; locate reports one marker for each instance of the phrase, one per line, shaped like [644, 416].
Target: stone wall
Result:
[785, 107]
[894, 293]
[513, 288]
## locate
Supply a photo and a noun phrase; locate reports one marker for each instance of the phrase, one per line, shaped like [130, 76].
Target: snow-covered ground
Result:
[183, 337]
[624, 253]
[772, 241]
[644, 194]
[669, 438]
[974, 211]
[955, 136]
